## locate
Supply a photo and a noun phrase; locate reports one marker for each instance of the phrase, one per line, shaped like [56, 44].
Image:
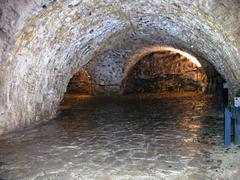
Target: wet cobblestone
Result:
[110, 139]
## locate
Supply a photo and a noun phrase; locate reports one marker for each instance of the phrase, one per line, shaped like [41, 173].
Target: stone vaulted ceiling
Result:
[43, 43]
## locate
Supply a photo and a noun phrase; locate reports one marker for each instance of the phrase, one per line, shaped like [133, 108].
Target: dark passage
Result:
[81, 83]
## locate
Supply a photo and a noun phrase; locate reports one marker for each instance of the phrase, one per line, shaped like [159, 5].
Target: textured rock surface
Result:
[107, 70]
[43, 43]
[81, 83]
[164, 72]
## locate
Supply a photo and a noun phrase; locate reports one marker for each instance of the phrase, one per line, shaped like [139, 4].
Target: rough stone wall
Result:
[107, 71]
[166, 72]
[110, 70]
[43, 43]
[13, 16]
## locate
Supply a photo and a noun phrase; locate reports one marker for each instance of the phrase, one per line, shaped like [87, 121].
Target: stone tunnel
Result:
[117, 89]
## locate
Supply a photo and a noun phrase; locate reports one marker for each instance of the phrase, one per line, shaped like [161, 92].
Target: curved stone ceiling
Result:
[160, 68]
[110, 69]
[43, 43]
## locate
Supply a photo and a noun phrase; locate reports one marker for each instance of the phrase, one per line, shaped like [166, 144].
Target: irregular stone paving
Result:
[108, 139]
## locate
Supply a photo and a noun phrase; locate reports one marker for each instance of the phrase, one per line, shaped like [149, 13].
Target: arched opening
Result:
[156, 133]
[164, 70]
[44, 43]
[81, 84]
[80, 88]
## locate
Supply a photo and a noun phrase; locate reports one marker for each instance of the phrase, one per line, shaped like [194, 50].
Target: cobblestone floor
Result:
[108, 139]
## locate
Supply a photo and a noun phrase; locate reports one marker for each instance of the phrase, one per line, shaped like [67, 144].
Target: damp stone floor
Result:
[123, 139]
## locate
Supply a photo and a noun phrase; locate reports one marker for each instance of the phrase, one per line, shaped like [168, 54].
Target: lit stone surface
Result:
[165, 71]
[122, 139]
[81, 83]
[43, 43]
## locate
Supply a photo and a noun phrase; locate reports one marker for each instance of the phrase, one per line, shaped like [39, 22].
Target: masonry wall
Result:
[44, 43]
[81, 83]
[169, 73]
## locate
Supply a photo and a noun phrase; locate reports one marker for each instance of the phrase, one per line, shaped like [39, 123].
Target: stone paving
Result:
[108, 139]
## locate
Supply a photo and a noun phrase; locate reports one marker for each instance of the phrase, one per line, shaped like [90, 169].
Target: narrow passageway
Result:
[119, 90]
[168, 129]
[81, 84]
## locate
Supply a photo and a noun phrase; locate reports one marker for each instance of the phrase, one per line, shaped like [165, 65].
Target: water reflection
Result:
[100, 138]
